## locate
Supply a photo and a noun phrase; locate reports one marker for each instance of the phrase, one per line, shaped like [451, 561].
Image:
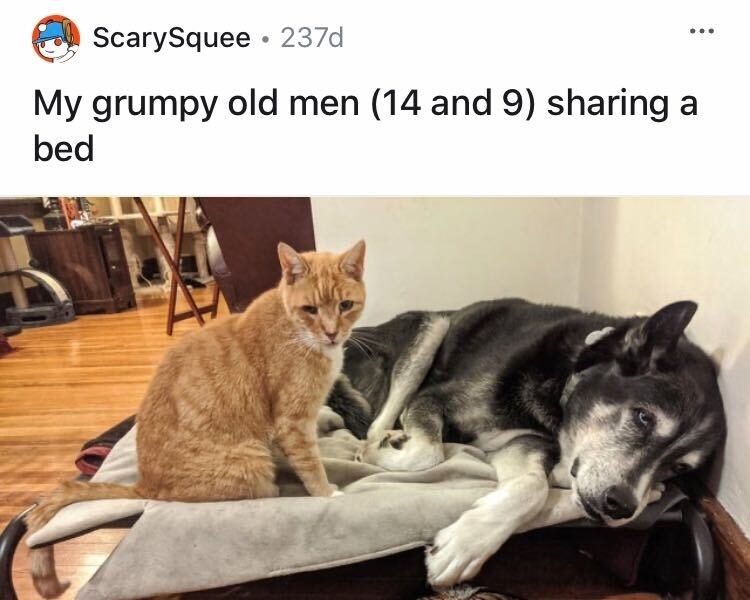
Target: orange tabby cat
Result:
[225, 393]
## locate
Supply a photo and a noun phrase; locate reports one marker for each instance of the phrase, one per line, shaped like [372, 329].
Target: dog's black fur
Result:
[524, 355]
[606, 407]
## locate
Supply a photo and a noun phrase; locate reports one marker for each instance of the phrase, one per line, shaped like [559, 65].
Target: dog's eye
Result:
[680, 468]
[346, 305]
[643, 418]
[312, 310]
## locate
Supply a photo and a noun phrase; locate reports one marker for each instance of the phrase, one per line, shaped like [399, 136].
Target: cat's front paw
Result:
[325, 490]
[333, 490]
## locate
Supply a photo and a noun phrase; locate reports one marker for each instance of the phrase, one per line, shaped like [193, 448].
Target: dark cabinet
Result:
[248, 230]
[90, 262]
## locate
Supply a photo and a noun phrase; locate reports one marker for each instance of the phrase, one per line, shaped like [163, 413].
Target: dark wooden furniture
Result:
[33, 208]
[248, 231]
[90, 262]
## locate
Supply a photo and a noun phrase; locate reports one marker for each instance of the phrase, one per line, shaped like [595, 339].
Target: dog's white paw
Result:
[460, 550]
[397, 451]
[336, 493]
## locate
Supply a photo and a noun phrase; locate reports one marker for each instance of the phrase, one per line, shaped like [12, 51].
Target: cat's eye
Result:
[309, 309]
[346, 305]
[643, 418]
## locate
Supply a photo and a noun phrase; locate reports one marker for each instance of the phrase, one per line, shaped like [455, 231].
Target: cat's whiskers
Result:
[309, 342]
[295, 341]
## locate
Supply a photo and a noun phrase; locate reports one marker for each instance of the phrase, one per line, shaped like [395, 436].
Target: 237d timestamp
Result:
[312, 37]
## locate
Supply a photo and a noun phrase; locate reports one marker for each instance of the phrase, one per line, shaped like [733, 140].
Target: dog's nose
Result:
[619, 502]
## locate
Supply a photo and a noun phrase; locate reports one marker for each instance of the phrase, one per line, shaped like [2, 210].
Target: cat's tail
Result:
[42, 560]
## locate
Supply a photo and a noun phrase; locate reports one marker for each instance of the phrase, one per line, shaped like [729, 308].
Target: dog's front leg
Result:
[561, 506]
[460, 550]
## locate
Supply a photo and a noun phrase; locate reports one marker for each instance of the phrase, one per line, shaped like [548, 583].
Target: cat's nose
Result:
[332, 336]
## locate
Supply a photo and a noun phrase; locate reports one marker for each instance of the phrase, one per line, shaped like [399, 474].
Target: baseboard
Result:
[733, 547]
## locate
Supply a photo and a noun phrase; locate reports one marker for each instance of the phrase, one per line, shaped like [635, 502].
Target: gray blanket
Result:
[176, 547]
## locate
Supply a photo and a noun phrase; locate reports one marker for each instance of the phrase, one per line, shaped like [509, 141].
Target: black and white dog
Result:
[606, 407]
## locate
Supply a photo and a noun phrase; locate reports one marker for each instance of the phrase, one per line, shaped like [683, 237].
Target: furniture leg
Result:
[162, 225]
[176, 259]
[130, 255]
[201, 260]
[215, 300]
[175, 271]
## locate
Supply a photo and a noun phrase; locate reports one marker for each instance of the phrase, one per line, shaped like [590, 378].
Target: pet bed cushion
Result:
[177, 547]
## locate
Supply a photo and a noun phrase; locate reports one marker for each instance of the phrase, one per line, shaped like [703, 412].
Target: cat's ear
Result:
[353, 261]
[293, 266]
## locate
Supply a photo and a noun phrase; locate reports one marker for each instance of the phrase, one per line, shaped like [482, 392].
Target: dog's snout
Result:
[619, 502]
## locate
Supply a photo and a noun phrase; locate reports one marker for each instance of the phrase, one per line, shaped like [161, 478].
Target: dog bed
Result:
[178, 547]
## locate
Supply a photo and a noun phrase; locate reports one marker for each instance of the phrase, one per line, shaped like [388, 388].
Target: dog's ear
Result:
[643, 346]
[664, 328]
[649, 346]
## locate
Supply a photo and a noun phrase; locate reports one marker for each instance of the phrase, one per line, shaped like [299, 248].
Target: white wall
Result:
[442, 253]
[641, 253]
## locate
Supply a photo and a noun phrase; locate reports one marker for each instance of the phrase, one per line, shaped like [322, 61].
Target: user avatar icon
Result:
[56, 39]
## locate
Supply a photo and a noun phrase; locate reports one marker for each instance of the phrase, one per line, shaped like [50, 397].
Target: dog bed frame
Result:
[392, 566]
[404, 570]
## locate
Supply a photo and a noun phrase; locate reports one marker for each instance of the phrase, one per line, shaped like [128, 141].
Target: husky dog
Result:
[606, 407]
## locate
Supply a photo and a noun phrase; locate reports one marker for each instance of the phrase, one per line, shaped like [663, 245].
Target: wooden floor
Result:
[61, 386]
